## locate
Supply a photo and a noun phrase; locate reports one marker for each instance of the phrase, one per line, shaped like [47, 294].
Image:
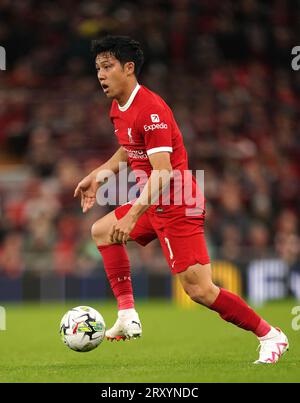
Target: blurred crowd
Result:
[223, 67]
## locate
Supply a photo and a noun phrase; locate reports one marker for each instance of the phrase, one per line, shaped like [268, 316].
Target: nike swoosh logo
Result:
[116, 130]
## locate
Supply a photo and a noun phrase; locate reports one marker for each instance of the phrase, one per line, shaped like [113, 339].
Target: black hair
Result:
[123, 48]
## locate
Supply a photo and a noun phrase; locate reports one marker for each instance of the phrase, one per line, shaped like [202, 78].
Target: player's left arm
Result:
[158, 180]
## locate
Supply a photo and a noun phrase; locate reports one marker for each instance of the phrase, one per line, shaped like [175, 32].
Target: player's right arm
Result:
[88, 186]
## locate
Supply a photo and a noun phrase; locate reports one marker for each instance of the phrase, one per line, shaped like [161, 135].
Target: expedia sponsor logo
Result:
[157, 126]
[154, 118]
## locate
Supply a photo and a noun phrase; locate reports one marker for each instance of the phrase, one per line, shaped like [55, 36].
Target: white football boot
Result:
[127, 326]
[272, 346]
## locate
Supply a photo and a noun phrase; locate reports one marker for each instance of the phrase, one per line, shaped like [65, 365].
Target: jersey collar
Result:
[130, 99]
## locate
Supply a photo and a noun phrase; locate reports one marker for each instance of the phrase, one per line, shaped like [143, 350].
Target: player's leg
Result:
[101, 228]
[188, 259]
[115, 260]
[197, 283]
[117, 268]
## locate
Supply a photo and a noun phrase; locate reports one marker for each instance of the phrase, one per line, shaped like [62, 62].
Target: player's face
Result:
[111, 75]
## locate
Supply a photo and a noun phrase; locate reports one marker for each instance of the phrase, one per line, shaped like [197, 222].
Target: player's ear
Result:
[129, 68]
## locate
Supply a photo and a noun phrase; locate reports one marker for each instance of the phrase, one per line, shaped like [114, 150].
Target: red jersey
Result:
[145, 125]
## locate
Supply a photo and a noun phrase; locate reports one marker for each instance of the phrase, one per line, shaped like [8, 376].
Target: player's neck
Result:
[124, 97]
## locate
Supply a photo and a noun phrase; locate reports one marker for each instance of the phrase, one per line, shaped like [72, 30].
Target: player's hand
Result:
[120, 232]
[87, 189]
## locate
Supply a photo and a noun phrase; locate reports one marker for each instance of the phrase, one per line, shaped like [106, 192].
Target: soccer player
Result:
[150, 141]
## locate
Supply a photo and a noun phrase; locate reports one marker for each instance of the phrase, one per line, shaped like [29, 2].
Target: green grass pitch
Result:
[178, 345]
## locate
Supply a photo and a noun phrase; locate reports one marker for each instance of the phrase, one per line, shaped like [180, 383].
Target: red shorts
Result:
[181, 237]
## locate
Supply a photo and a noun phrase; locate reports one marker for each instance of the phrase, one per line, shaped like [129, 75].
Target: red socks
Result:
[229, 306]
[233, 309]
[117, 267]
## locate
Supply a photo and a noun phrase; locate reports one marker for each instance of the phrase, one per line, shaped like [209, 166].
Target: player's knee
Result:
[201, 294]
[97, 234]
[94, 231]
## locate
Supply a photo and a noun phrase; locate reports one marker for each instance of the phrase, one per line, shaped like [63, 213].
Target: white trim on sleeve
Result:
[159, 149]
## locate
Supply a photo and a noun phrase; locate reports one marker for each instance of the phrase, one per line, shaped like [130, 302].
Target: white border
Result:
[159, 149]
[130, 99]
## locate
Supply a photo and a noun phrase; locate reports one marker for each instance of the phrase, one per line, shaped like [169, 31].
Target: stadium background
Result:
[223, 67]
